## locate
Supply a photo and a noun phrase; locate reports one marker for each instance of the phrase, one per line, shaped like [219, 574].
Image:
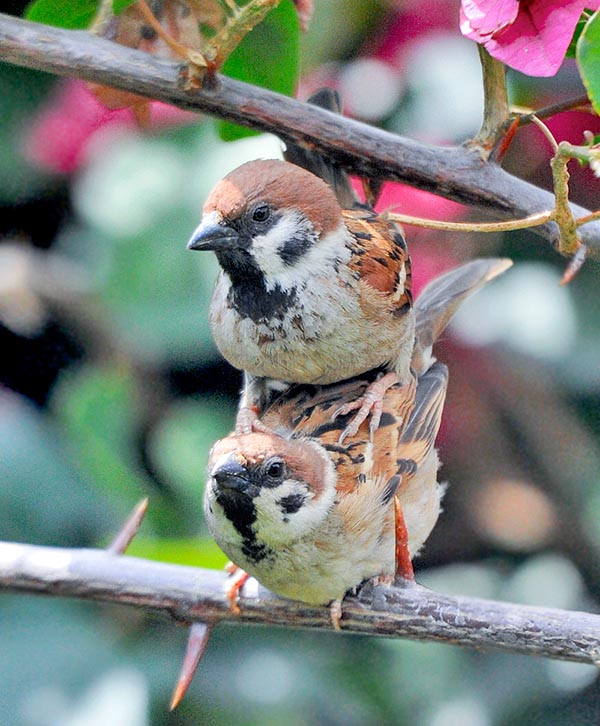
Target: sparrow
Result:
[314, 287]
[311, 518]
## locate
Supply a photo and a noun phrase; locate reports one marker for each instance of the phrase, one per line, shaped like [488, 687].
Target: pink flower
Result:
[531, 36]
[59, 135]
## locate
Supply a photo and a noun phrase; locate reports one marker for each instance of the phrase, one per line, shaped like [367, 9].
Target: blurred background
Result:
[111, 389]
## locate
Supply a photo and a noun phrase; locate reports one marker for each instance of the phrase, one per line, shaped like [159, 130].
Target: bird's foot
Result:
[233, 589]
[247, 421]
[370, 403]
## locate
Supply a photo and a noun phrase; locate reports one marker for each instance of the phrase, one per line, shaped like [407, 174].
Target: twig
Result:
[496, 114]
[190, 594]
[455, 173]
[527, 222]
[581, 103]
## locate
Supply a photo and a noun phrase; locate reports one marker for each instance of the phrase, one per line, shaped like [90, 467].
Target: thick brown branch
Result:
[189, 594]
[455, 173]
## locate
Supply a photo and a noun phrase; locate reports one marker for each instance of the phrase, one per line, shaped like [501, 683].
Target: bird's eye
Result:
[275, 469]
[262, 213]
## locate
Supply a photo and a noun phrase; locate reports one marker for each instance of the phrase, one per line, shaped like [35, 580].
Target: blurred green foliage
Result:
[136, 413]
[588, 57]
[21, 92]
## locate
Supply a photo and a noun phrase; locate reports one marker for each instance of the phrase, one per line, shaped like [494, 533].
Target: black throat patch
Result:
[251, 299]
[241, 512]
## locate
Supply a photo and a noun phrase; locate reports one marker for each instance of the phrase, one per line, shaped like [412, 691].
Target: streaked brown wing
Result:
[418, 437]
[380, 260]
[309, 411]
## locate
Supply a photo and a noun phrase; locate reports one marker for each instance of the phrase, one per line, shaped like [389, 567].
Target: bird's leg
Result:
[233, 589]
[371, 402]
[335, 613]
[252, 404]
[404, 568]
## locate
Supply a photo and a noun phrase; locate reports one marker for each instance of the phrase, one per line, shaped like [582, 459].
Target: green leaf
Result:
[73, 14]
[120, 5]
[44, 498]
[581, 23]
[267, 57]
[180, 443]
[588, 59]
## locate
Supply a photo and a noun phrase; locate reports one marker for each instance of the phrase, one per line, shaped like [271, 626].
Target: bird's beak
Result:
[213, 234]
[231, 475]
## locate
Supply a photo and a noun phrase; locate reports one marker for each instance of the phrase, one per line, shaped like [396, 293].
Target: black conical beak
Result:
[231, 476]
[213, 234]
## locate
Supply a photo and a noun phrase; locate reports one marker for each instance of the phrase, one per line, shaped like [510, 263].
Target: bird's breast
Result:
[318, 335]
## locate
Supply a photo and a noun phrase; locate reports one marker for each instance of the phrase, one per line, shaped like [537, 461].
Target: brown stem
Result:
[582, 103]
[128, 531]
[496, 112]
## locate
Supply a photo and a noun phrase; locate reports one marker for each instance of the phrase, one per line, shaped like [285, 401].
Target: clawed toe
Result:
[247, 422]
[369, 404]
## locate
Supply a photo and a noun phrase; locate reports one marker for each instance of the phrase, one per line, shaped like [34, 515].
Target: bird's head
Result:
[268, 489]
[273, 221]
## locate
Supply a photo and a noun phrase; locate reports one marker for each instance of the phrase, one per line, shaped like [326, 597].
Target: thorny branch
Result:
[192, 594]
[456, 173]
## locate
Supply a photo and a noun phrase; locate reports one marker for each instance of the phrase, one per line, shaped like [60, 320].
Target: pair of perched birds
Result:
[331, 475]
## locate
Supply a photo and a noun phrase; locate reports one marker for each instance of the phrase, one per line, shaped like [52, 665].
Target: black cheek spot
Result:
[291, 503]
[294, 248]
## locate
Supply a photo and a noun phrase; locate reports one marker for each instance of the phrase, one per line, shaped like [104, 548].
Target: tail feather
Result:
[441, 298]
[318, 164]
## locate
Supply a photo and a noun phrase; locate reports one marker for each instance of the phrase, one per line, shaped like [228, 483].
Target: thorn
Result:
[128, 531]
[196, 645]
[575, 264]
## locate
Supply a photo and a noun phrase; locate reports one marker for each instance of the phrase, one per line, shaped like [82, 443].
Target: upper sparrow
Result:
[315, 287]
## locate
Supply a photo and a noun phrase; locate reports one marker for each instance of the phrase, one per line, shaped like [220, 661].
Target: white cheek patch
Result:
[288, 512]
[265, 246]
[320, 256]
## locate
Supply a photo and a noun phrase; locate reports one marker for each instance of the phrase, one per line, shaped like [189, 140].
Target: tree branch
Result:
[191, 594]
[455, 172]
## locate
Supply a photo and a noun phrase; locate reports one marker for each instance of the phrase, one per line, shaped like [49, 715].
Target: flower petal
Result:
[537, 41]
[481, 18]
